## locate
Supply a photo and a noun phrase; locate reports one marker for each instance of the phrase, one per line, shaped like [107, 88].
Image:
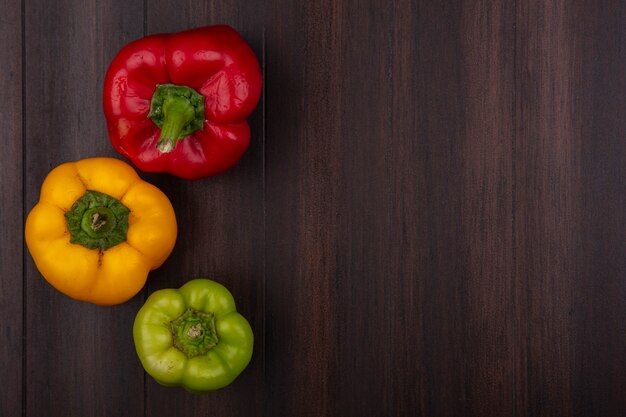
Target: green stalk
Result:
[194, 332]
[179, 111]
[97, 221]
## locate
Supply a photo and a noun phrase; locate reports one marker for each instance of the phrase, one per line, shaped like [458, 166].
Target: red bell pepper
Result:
[178, 102]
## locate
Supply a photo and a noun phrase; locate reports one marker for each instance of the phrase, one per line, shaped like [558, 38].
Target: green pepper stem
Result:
[194, 332]
[97, 221]
[179, 111]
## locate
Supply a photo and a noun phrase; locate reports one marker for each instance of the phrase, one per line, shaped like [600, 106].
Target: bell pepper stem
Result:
[97, 221]
[177, 113]
[194, 332]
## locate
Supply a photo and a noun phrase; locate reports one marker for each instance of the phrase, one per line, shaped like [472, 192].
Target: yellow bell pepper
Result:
[98, 229]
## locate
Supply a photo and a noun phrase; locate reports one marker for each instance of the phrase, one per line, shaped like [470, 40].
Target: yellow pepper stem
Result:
[97, 221]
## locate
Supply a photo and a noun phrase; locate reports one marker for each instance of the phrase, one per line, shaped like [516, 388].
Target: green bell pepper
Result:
[193, 337]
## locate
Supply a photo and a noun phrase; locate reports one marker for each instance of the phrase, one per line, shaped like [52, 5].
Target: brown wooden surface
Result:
[430, 219]
[11, 208]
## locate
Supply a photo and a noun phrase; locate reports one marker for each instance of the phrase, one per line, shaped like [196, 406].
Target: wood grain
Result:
[449, 287]
[430, 219]
[569, 231]
[11, 222]
[77, 354]
[599, 310]
[302, 225]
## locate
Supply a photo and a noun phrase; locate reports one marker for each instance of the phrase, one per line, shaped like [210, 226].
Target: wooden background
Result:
[430, 220]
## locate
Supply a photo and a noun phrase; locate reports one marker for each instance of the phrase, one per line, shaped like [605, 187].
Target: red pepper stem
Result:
[178, 112]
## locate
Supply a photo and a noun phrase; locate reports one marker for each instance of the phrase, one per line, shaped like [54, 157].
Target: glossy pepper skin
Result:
[98, 229]
[193, 337]
[178, 103]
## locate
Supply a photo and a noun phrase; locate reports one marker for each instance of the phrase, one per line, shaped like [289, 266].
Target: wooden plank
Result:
[488, 345]
[599, 310]
[11, 222]
[451, 174]
[221, 233]
[390, 227]
[302, 182]
[77, 354]
[569, 259]
[586, 167]
[362, 381]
